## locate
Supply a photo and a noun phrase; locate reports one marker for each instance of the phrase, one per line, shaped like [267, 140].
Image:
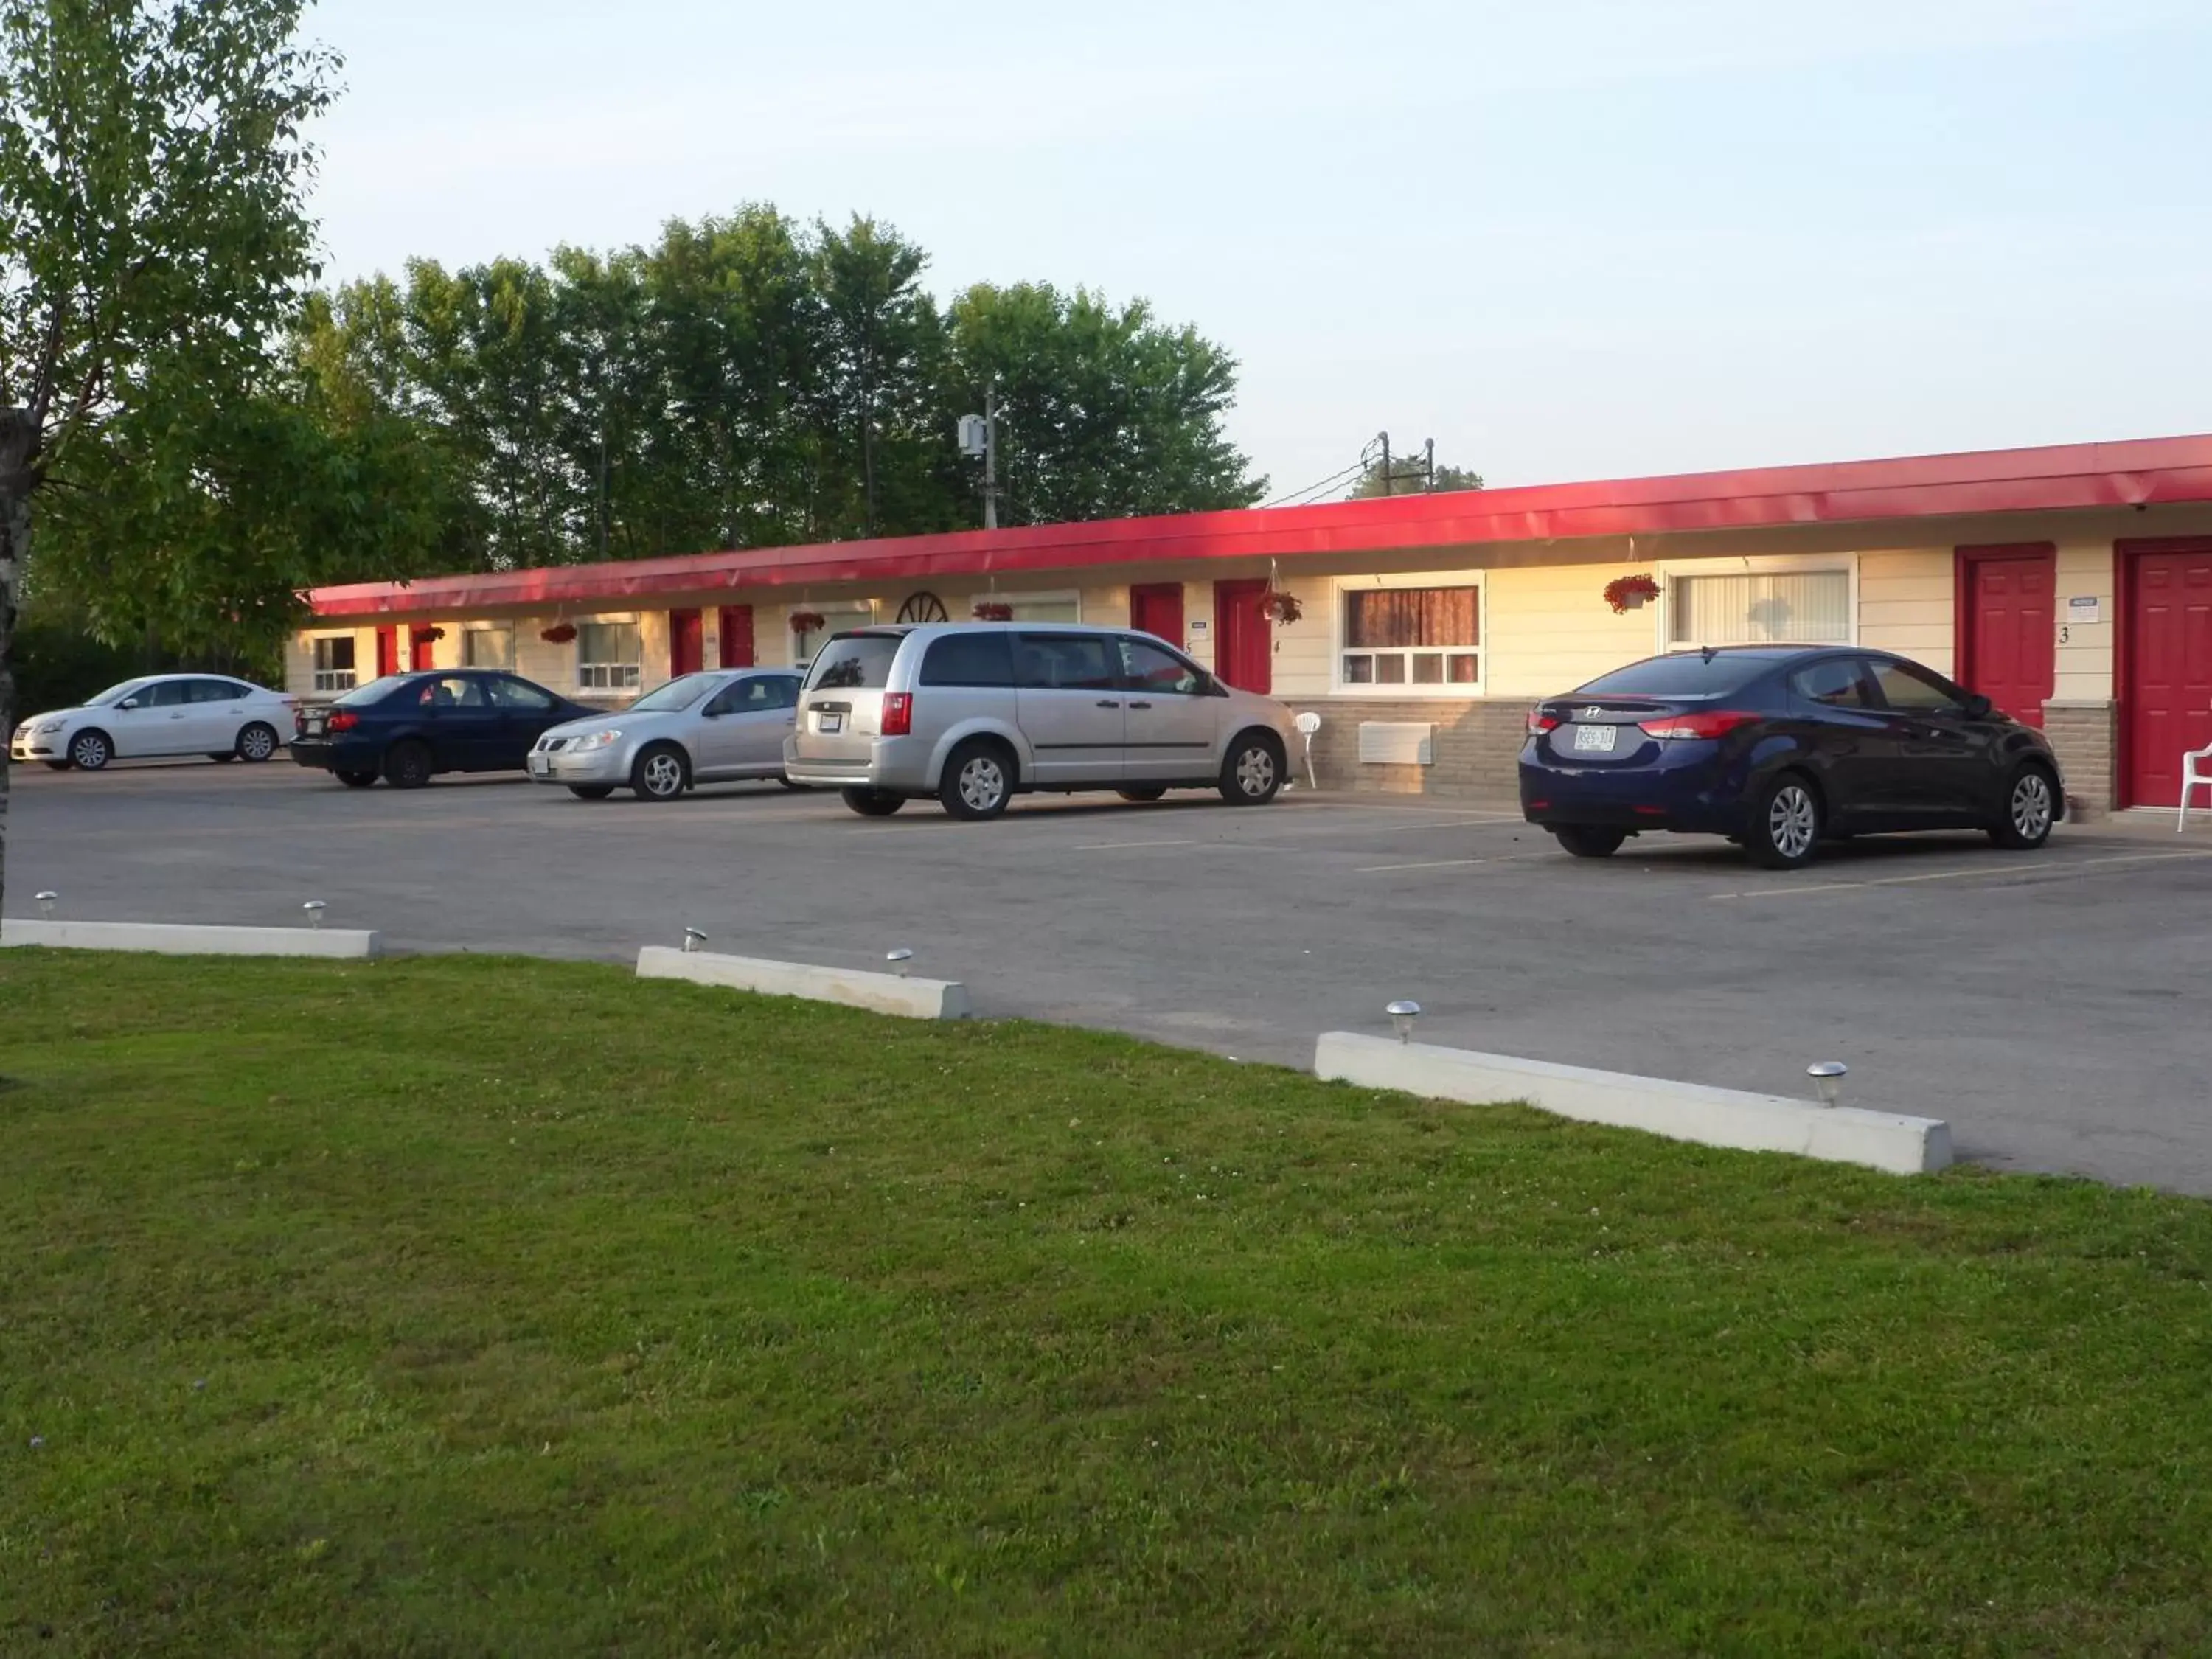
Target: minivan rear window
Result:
[976, 659]
[855, 662]
[1690, 674]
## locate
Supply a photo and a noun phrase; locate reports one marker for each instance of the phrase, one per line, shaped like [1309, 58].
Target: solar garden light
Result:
[899, 960]
[1827, 1076]
[314, 910]
[693, 939]
[1402, 1016]
[46, 903]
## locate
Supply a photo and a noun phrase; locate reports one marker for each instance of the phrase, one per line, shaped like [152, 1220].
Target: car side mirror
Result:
[128, 702]
[1978, 707]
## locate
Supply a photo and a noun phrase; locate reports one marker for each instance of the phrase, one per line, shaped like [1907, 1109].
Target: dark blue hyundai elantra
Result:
[1781, 747]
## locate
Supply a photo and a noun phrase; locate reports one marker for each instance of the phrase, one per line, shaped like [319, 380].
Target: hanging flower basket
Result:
[1629, 593]
[433, 633]
[806, 622]
[993, 610]
[1282, 608]
[559, 634]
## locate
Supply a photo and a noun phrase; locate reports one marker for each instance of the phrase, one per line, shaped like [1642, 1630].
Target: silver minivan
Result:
[976, 713]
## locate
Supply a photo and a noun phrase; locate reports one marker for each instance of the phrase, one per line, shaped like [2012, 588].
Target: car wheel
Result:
[90, 750]
[1253, 771]
[227, 754]
[356, 780]
[1785, 825]
[873, 803]
[1588, 841]
[590, 791]
[660, 773]
[2031, 808]
[978, 781]
[258, 742]
[407, 765]
[1140, 794]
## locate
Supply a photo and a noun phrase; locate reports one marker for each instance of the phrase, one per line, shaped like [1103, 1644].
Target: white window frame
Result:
[837, 617]
[1771, 564]
[333, 679]
[635, 671]
[1056, 596]
[1459, 690]
[506, 629]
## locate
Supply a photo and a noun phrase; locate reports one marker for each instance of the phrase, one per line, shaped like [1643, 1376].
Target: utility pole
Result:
[1389, 486]
[1429, 467]
[991, 457]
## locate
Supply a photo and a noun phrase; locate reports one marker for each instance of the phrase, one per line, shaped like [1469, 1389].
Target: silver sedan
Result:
[725, 723]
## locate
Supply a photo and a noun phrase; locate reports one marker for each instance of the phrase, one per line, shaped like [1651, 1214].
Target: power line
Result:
[1288, 499]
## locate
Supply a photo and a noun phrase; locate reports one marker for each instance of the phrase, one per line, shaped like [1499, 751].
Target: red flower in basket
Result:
[993, 610]
[1629, 593]
[559, 634]
[806, 622]
[1282, 608]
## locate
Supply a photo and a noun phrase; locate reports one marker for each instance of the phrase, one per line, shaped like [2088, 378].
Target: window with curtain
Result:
[1796, 607]
[1416, 636]
[334, 663]
[488, 648]
[609, 656]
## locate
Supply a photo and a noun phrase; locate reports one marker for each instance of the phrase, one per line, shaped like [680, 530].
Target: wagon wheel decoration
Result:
[922, 608]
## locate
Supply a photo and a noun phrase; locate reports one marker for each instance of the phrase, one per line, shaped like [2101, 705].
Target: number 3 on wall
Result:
[2065, 633]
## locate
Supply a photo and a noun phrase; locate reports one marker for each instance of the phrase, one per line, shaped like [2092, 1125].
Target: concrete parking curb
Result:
[881, 993]
[1680, 1111]
[187, 939]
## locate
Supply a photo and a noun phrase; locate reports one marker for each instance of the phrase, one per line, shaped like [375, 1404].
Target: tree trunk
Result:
[19, 455]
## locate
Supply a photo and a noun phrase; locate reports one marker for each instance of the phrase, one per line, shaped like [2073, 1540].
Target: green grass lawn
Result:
[471, 1306]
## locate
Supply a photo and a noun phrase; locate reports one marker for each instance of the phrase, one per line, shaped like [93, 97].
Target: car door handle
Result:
[1141, 705]
[1108, 702]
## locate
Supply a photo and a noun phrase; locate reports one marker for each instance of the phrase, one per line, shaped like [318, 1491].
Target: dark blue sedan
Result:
[1779, 748]
[406, 728]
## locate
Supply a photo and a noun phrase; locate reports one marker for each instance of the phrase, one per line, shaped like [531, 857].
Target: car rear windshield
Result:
[1691, 674]
[855, 662]
[375, 691]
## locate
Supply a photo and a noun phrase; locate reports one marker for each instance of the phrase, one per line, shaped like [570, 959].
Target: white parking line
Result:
[1120, 846]
[1450, 864]
[2045, 873]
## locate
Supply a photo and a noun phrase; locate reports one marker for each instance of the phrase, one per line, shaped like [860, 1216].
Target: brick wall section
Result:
[2085, 735]
[1477, 743]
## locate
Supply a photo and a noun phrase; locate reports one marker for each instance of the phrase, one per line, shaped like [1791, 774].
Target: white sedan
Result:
[160, 715]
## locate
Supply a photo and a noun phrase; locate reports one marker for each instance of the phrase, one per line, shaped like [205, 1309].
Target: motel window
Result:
[488, 648]
[836, 619]
[1426, 640]
[334, 666]
[609, 657]
[1785, 607]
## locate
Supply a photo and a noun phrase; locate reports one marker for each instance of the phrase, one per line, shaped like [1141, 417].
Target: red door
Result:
[737, 636]
[388, 652]
[1157, 609]
[2166, 645]
[422, 647]
[684, 653]
[2009, 598]
[1241, 645]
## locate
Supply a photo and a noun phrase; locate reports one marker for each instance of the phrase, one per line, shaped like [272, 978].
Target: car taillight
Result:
[898, 714]
[344, 720]
[1540, 721]
[1705, 723]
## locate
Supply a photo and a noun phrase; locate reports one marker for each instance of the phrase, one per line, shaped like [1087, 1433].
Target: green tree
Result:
[152, 230]
[1108, 412]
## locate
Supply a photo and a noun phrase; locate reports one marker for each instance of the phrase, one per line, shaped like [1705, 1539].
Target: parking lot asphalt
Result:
[2046, 1004]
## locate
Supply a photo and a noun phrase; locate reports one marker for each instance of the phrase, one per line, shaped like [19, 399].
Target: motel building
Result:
[2072, 585]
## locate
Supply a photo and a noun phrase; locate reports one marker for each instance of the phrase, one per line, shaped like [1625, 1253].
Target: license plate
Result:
[539, 766]
[1597, 738]
[830, 722]
[315, 726]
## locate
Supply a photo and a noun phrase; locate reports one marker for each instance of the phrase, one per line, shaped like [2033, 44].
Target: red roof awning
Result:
[2139, 472]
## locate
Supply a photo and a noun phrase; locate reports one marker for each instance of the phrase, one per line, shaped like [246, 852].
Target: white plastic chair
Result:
[2194, 769]
[1309, 723]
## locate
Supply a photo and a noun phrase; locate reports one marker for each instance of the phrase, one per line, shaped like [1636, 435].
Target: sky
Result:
[1578, 239]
